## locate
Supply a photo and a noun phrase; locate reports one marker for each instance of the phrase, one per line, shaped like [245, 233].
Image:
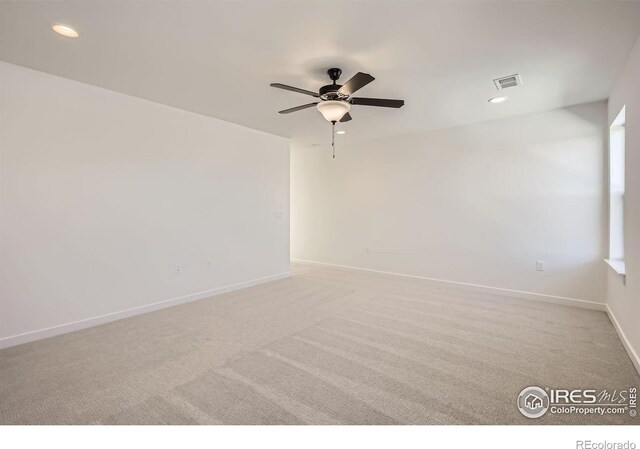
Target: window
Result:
[616, 193]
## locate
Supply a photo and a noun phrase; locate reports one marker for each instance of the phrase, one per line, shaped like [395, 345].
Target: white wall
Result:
[476, 204]
[624, 297]
[102, 195]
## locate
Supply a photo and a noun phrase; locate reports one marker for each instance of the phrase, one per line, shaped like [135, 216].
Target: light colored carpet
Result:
[327, 346]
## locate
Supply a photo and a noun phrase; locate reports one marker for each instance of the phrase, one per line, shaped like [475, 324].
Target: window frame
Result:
[616, 192]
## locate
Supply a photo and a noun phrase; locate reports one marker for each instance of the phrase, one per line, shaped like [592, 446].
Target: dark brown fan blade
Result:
[294, 89]
[345, 118]
[382, 102]
[298, 108]
[358, 81]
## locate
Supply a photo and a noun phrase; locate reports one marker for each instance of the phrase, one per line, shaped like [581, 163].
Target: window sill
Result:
[617, 265]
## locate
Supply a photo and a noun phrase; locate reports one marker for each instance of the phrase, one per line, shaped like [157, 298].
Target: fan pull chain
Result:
[333, 138]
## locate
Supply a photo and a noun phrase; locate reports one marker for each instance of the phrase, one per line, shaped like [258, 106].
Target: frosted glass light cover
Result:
[332, 110]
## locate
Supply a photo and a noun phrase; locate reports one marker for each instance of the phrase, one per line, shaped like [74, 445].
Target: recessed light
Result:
[65, 31]
[496, 100]
[341, 132]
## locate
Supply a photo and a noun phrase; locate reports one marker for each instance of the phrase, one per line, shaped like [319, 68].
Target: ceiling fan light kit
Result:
[336, 100]
[333, 110]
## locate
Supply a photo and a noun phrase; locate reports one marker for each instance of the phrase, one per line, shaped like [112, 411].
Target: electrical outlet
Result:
[178, 268]
[207, 264]
[279, 215]
[367, 250]
[540, 265]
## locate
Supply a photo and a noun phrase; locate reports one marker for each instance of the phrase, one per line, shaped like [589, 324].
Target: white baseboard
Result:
[27, 337]
[581, 303]
[633, 355]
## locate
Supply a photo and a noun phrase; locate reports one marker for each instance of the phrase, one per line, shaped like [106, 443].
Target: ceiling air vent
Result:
[508, 81]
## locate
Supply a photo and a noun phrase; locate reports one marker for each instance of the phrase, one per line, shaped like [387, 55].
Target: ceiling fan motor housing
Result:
[330, 92]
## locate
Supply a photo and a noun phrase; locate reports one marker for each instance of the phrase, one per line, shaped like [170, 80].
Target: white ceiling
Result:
[218, 58]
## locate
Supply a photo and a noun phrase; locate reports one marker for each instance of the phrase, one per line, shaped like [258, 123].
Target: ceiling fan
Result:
[336, 100]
